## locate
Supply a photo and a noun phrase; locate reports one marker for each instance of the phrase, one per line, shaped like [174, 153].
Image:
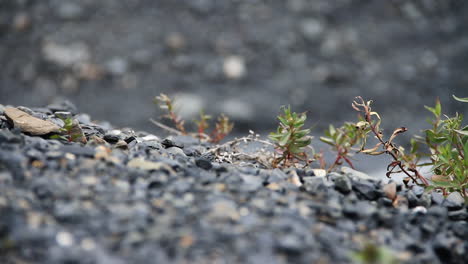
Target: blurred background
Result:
[243, 58]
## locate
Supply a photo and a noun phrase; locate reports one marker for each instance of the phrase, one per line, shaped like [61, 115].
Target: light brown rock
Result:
[30, 124]
[390, 191]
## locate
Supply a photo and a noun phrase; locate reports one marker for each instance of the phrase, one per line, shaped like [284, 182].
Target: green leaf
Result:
[332, 130]
[443, 184]
[461, 132]
[465, 153]
[284, 140]
[328, 141]
[438, 108]
[463, 100]
[283, 120]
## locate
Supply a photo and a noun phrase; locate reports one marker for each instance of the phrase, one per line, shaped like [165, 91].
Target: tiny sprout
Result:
[290, 139]
[222, 128]
[165, 103]
[202, 124]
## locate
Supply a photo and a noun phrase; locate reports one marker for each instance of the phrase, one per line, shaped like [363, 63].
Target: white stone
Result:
[64, 239]
[234, 67]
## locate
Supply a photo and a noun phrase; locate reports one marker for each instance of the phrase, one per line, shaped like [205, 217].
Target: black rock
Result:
[437, 198]
[8, 136]
[290, 244]
[412, 199]
[168, 143]
[454, 201]
[111, 138]
[443, 246]
[63, 106]
[459, 215]
[384, 201]
[366, 189]
[343, 184]
[203, 163]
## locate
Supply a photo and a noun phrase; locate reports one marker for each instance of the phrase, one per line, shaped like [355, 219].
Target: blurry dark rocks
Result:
[235, 57]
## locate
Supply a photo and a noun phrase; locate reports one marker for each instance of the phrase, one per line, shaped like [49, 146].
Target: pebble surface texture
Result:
[133, 197]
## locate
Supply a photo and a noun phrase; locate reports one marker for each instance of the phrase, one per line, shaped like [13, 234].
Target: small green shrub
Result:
[69, 132]
[290, 139]
[342, 140]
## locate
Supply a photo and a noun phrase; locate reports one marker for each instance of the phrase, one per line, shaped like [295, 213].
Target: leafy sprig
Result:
[290, 139]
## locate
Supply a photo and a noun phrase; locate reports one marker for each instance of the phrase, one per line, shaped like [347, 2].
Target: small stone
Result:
[343, 184]
[224, 210]
[412, 198]
[274, 186]
[167, 143]
[74, 54]
[176, 41]
[8, 136]
[140, 163]
[313, 185]
[294, 179]
[203, 163]
[356, 174]
[365, 188]
[390, 190]
[64, 239]
[290, 244]
[234, 67]
[418, 190]
[121, 144]
[176, 151]
[117, 66]
[30, 124]
[276, 175]
[419, 210]
[454, 201]
[251, 183]
[437, 198]
[311, 29]
[21, 21]
[63, 106]
[319, 172]
[459, 215]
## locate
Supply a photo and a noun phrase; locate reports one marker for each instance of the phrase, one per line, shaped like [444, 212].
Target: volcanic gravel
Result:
[133, 197]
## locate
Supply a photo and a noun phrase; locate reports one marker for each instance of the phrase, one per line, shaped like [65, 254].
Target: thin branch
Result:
[169, 129]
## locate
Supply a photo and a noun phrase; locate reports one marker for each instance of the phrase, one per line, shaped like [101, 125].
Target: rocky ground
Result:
[243, 58]
[133, 197]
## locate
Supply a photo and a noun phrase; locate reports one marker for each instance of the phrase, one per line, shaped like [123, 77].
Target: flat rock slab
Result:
[29, 124]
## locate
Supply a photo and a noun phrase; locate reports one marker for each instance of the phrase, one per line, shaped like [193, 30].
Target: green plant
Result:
[447, 143]
[69, 132]
[202, 125]
[290, 139]
[342, 140]
[223, 126]
[373, 254]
